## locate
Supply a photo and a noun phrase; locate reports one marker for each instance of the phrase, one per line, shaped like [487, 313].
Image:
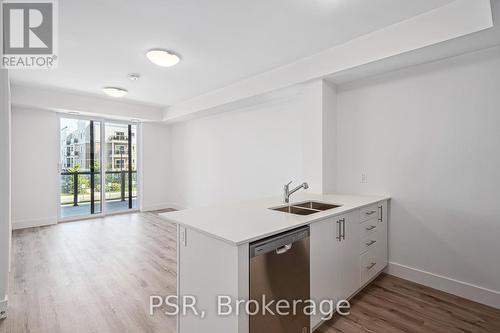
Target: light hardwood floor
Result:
[97, 276]
[92, 276]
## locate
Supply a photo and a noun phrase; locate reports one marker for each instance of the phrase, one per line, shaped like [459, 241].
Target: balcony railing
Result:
[115, 183]
[118, 138]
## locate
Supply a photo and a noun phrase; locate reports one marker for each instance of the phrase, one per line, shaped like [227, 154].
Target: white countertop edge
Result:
[308, 219]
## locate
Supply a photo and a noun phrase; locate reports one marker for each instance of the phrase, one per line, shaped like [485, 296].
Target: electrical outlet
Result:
[364, 178]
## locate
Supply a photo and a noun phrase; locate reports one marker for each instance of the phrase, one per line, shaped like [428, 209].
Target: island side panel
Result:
[244, 285]
[207, 267]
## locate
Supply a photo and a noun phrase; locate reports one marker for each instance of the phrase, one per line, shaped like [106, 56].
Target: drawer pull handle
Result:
[343, 228]
[371, 227]
[339, 231]
[370, 212]
[371, 265]
[370, 242]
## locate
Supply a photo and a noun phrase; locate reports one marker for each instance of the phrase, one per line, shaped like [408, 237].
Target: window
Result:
[119, 164]
[120, 149]
[120, 136]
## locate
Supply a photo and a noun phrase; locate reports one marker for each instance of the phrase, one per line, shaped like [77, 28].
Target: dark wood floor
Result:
[97, 276]
[390, 304]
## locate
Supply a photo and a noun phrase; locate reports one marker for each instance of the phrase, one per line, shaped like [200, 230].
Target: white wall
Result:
[236, 155]
[247, 153]
[155, 163]
[35, 143]
[35, 156]
[252, 151]
[5, 213]
[329, 138]
[430, 137]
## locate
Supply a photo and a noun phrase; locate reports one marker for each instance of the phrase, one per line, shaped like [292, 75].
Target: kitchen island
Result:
[348, 248]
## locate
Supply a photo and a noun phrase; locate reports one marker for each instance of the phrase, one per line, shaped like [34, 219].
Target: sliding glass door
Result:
[80, 157]
[96, 155]
[121, 166]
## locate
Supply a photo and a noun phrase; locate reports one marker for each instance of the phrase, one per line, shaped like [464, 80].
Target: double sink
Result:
[305, 208]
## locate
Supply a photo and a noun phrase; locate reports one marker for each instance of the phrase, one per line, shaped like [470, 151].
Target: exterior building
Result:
[117, 149]
[75, 147]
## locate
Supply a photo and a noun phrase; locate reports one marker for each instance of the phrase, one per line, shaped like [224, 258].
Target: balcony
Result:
[78, 198]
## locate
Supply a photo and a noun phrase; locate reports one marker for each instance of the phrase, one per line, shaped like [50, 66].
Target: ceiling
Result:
[220, 41]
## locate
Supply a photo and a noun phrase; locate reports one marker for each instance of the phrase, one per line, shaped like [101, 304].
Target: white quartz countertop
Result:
[244, 222]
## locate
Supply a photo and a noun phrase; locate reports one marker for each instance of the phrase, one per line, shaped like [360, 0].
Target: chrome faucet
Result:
[287, 192]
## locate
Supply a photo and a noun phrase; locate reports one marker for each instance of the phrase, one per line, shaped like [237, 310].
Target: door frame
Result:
[102, 154]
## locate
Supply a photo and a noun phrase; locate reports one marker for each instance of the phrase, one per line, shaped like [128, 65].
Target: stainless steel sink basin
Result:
[305, 208]
[295, 210]
[316, 205]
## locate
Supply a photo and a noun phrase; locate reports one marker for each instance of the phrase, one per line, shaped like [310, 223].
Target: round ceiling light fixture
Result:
[114, 91]
[162, 57]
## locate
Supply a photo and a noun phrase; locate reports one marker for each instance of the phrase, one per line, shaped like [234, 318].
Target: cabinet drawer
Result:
[369, 241]
[371, 264]
[368, 227]
[367, 213]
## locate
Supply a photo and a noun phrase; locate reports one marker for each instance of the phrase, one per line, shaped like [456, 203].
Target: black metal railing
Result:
[118, 138]
[76, 183]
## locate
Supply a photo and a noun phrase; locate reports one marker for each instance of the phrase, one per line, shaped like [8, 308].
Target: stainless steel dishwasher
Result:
[279, 269]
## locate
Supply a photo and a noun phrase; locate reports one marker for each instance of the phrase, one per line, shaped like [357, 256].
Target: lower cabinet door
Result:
[347, 266]
[335, 266]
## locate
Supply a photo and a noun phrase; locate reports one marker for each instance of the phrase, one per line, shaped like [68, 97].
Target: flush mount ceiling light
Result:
[162, 57]
[114, 91]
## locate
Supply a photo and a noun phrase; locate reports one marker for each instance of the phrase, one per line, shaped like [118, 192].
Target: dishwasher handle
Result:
[284, 249]
[280, 243]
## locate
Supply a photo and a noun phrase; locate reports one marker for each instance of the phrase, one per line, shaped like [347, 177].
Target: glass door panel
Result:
[121, 166]
[80, 168]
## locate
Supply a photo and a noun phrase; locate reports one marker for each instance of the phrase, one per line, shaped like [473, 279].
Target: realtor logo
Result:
[28, 36]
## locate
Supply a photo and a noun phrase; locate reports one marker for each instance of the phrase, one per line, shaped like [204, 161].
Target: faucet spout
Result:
[287, 192]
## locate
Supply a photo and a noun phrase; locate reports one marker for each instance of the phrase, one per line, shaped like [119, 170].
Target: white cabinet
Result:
[367, 213]
[373, 245]
[382, 225]
[347, 251]
[334, 259]
[347, 256]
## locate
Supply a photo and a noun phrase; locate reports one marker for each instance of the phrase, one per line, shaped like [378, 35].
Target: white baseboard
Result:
[3, 308]
[446, 284]
[150, 208]
[22, 224]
